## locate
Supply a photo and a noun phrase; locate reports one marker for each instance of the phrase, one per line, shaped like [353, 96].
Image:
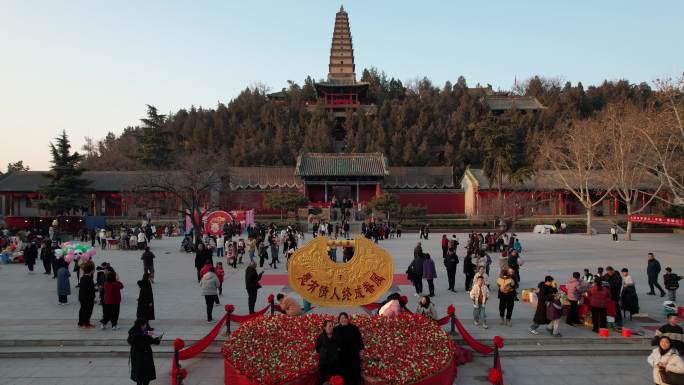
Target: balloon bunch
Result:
[75, 251]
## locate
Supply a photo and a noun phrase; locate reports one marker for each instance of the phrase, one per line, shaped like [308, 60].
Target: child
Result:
[479, 294]
[219, 274]
[671, 281]
[230, 252]
[240, 249]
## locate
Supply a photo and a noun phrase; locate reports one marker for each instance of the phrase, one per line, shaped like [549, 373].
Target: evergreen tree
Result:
[155, 150]
[65, 193]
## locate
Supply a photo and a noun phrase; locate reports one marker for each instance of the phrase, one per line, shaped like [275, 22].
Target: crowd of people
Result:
[607, 295]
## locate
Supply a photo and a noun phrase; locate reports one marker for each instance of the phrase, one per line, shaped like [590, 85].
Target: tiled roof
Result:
[502, 103]
[420, 177]
[549, 180]
[349, 164]
[30, 181]
[263, 178]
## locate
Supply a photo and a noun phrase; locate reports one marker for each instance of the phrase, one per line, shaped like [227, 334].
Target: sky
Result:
[89, 67]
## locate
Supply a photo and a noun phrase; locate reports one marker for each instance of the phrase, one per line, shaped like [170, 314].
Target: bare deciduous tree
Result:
[575, 151]
[626, 159]
[194, 185]
[663, 134]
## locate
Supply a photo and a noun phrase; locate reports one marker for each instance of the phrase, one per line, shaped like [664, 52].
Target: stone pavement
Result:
[30, 314]
[518, 371]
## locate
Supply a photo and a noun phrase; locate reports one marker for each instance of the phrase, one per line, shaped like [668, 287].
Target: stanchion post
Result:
[177, 376]
[229, 311]
[271, 303]
[453, 325]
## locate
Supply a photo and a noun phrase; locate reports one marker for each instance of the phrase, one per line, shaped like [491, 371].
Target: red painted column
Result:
[377, 189]
[560, 204]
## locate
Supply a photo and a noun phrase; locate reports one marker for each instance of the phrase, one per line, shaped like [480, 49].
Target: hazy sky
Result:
[90, 67]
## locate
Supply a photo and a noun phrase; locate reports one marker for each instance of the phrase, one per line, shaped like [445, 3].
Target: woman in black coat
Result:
[350, 346]
[142, 361]
[544, 295]
[145, 300]
[328, 352]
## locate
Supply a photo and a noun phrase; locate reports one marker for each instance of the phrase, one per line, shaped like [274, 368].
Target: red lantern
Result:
[494, 376]
[178, 344]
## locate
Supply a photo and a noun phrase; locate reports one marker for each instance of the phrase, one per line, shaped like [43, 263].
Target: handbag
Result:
[671, 378]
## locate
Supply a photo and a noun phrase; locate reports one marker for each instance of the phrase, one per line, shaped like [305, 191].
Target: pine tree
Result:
[155, 150]
[65, 193]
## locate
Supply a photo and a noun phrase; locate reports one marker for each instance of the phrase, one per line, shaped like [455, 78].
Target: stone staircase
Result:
[514, 347]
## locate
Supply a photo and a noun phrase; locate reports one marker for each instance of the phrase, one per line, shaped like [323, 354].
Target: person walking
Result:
[252, 284]
[145, 300]
[86, 296]
[350, 346]
[199, 259]
[468, 271]
[251, 248]
[615, 283]
[47, 256]
[209, 285]
[666, 361]
[652, 271]
[671, 282]
[507, 289]
[614, 233]
[416, 269]
[479, 294]
[148, 263]
[545, 295]
[220, 245]
[574, 291]
[220, 273]
[141, 357]
[629, 301]
[599, 298]
[445, 246]
[30, 256]
[429, 273]
[451, 264]
[112, 301]
[63, 285]
[328, 355]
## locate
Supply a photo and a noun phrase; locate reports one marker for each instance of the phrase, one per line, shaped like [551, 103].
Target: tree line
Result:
[416, 124]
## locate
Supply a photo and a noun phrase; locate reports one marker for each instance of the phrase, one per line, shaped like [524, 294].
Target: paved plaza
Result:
[30, 313]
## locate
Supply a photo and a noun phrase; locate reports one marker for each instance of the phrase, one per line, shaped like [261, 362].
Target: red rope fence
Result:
[181, 352]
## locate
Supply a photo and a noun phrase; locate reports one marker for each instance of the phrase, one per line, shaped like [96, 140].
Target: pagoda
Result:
[341, 92]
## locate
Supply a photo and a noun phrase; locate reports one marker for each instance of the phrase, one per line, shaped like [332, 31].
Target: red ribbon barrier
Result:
[245, 318]
[472, 342]
[199, 346]
[444, 320]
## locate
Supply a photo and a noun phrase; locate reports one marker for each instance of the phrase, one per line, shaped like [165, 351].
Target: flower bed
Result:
[280, 349]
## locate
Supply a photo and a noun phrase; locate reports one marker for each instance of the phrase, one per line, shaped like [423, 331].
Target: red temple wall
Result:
[448, 202]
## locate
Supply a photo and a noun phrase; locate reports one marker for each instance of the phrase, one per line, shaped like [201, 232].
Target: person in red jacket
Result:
[445, 246]
[600, 296]
[220, 273]
[112, 301]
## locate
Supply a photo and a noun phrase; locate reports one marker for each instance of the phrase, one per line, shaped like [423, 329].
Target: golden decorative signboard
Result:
[323, 282]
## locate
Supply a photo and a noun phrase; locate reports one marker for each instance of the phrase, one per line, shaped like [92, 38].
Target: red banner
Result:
[214, 223]
[655, 220]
